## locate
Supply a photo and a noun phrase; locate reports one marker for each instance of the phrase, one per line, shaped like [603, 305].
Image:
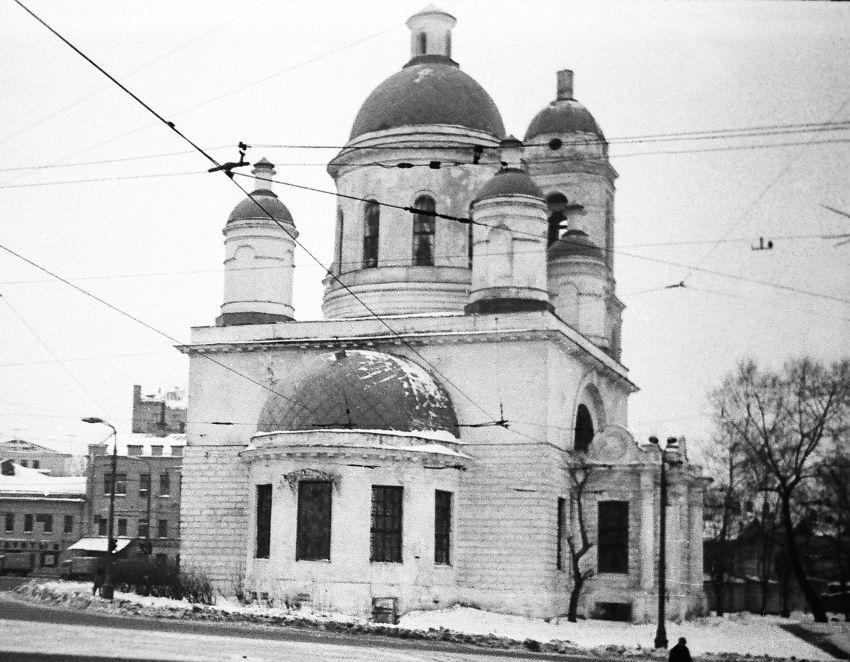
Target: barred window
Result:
[264, 521]
[386, 524]
[371, 232]
[442, 527]
[313, 537]
[423, 232]
[613, 543]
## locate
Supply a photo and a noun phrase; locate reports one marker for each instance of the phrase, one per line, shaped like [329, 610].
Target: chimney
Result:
[565, 84]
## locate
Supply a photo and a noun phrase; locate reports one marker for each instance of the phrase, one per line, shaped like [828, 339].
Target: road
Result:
[35, 633]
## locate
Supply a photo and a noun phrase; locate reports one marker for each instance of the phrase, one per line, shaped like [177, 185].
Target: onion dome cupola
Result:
[421, 141]
[259, 243]
[581, 290]
[567, 155]
[509, 232]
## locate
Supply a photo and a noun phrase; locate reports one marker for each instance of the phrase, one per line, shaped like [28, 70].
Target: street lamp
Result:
[661, 633]
[106, 591]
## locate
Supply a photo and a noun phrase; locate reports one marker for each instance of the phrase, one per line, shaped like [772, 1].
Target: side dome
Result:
[508, 181]
[248, 209]
[575, 243]
[564, 114]
[430, 89]
[360, 390]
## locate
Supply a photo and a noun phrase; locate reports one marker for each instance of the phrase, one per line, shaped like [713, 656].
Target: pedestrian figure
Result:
[680, 652]
[98, 581]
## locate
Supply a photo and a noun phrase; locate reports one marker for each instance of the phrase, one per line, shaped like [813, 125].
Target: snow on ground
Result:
[737, 633]
[744, 634]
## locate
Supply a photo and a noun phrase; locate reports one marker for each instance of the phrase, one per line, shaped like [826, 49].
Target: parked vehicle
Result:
[21, 563]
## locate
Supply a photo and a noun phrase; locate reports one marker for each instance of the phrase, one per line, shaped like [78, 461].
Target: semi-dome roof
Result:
[430, 89]
[362, 390]
[575, 243]
[564, 114]
[250, 210]
[509, 181]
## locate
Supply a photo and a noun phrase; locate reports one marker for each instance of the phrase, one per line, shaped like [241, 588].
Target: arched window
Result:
[423, 232]
[557, 203]
[584, 429]
[422, 42]
[371, 229]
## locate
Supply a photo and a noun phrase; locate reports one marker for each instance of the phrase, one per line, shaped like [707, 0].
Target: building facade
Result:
[33, 456]
[418, 446]
[42, 516]
[147, 493]
[160, 413]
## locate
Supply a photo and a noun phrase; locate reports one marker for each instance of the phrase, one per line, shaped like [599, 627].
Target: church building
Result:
[419, 445]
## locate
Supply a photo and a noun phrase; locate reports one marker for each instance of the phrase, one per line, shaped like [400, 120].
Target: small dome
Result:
[509, 181]
[575, 243]
[361, 390]
[564, 114]
[430, 89]
[250, 210]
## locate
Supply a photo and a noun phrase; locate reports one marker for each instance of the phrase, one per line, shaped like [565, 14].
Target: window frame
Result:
[144, 528]
[313, 534]
[68, 524]
[612, 537]
[144, 484]
[371, 234]
[560, 532]
[263, 495]
[120, 484]
[9, 524]
[443, 527]
[122, 526]
[386, 541]
[162, 528]
[165, 485]
[29, 523]
[424, 234]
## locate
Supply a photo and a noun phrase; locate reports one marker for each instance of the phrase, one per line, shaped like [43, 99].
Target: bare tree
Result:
[834, 517]
[579, 472]
[780, 420]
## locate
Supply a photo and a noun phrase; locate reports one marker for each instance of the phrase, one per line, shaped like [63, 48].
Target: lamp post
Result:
[661, 632]
[106, 590]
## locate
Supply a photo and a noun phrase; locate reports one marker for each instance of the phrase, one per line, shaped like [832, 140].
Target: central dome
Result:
[360, 390]
[430, 89]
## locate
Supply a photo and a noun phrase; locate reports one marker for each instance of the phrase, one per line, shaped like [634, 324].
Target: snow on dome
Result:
[360, 390]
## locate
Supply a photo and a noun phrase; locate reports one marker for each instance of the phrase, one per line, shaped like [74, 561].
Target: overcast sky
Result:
[146, 236]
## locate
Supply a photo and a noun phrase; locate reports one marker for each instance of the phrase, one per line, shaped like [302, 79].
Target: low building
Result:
[147, 493]
[42, 516]
[33, 456]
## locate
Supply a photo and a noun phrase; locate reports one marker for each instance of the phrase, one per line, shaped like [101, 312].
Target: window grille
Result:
[386, 523]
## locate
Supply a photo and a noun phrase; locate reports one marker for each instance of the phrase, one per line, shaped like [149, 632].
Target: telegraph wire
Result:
[54, 355]
[215, 163]
[132, 72]
[157, 175]
[759, 197]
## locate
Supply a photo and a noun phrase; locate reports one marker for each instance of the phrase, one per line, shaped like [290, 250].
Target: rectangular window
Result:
[442, 527]
[613, 536]
[144, 528]
[10, 521]
[144, 484]
[156, 451]
[371, 232]
[24, 463]
[101, 525]
[162, 528]
[134, 450]
[47, 521]
[120, 484]
[313, 537]
[264, 520]
[69, 524]
[122, 527]
[164, 485]
[36, 464]
[27, 523]
[560, 532]
[386, 524]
